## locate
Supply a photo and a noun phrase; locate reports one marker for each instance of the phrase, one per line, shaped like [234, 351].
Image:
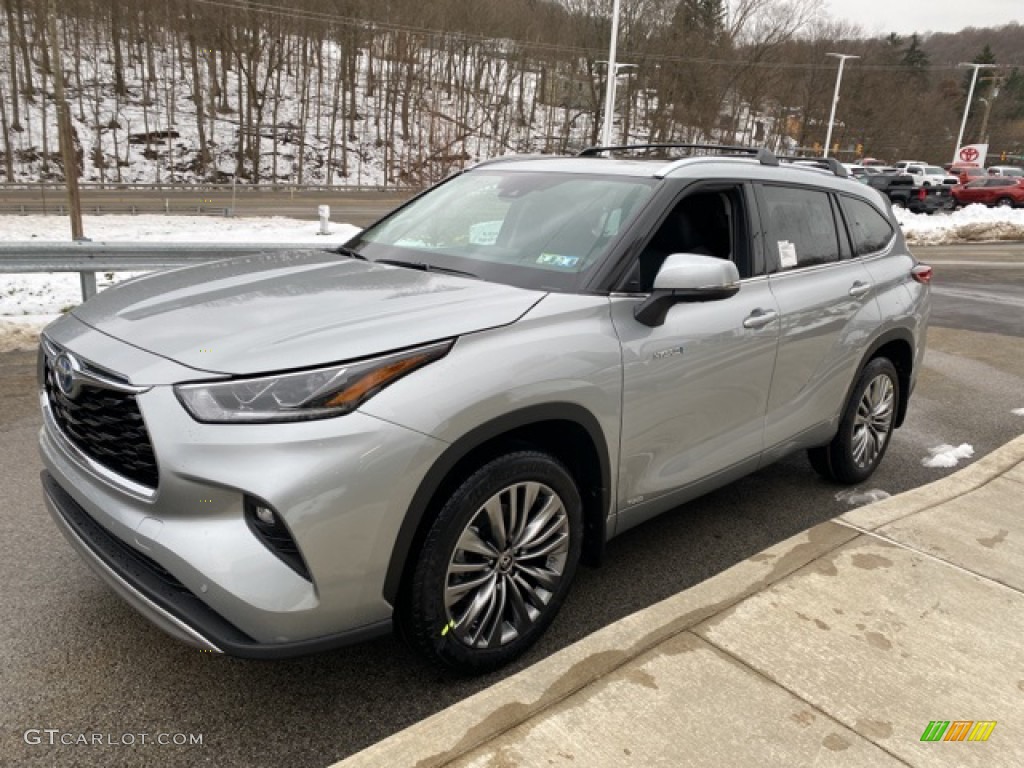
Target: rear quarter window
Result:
[871, 230]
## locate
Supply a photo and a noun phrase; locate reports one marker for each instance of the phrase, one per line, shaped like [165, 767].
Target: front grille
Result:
[107, 426]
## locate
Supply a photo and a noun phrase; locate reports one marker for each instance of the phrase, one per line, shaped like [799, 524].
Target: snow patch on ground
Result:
[22, 334]
[947, 455]
[856, 497]
[972, 224]
[1018, 411]
[175, 229]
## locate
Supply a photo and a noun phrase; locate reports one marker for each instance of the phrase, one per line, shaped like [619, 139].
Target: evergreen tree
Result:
[1012, 95]
[914, 57]
[701, 18]
[985, 57]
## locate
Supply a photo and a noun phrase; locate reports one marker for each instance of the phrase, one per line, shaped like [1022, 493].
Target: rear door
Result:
[997, 189]
[828, 309]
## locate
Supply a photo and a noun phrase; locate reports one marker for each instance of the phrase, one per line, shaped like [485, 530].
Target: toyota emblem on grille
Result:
[66, 370]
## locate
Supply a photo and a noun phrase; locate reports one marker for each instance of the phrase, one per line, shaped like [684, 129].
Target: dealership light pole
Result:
[613, 71]
[607, 127]
[835, 97]
[970, 95]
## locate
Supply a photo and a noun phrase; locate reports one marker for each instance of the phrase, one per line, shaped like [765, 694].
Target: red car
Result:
[994, 190]
[967, 173]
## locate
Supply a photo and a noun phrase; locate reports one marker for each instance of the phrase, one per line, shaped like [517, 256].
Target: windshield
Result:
[934, 170]
[535, 230]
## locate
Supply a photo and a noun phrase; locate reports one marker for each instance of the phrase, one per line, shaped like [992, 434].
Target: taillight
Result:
[922, 273]
[922, 193]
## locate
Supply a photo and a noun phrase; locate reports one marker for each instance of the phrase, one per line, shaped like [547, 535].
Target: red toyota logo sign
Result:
[969, 154]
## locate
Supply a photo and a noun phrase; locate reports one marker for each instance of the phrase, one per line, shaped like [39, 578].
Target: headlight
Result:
[301, 396]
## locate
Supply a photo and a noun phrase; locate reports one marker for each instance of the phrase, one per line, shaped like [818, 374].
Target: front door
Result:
[695, 388]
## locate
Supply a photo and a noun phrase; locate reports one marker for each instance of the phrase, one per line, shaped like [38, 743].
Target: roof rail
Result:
[825, 163]
[505, 159]
[764, 156]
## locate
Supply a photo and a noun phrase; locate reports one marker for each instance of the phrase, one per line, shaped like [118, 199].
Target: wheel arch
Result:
[567, 431]
[898, 346]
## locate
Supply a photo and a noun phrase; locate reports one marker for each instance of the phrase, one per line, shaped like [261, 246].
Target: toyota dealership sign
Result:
[971, 155]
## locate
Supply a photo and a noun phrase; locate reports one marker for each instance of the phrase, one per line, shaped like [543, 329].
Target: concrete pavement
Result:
[836, 647]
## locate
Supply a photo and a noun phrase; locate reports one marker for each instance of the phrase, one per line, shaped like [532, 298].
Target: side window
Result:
[709, 222]
[870, 229]
[801, 227]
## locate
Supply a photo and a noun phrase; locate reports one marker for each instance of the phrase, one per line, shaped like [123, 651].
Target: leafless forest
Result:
[403, 92]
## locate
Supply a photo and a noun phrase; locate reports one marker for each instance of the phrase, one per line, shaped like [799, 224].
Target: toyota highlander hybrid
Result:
[433, 425]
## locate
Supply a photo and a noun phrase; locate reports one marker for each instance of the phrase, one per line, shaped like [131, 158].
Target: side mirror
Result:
[687, 277]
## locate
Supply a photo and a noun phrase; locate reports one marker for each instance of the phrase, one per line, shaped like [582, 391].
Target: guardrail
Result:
[133, 209]
[240, 188]
[87, 258]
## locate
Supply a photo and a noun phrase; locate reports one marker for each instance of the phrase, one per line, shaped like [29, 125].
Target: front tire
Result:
[496, 564]
[865, 428]
[1004, 202]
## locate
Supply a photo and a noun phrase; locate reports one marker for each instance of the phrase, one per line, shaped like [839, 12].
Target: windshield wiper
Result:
[344, 250]
[424, 267]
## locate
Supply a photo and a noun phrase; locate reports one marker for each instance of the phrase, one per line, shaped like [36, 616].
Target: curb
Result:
[474, 721]
[446, 735]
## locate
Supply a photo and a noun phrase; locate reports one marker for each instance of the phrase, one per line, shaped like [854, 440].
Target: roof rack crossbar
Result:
[825, 163]
[764, 156]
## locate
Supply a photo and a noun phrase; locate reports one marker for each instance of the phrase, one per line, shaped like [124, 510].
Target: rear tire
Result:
[1004, 202]
[865, 429]
[496, 564]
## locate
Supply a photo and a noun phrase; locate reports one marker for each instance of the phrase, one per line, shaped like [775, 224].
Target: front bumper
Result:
[164, 600]
[183, 553]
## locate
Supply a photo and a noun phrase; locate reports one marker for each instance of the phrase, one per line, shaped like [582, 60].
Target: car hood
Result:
[279, 311]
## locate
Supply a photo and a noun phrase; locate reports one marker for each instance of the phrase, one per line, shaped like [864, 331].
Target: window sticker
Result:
[787, 254]
[558, 260]
[484, 233]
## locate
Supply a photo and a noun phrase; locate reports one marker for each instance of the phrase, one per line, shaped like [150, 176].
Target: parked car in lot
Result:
[929, 175]
[855, 170]
[1002, 191]
[904, 193]
[968, 173]
[1006, 170]
[435, 423]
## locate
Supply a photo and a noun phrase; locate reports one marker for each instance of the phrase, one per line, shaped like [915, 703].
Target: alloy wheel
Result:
[507, 564]
[873, 422]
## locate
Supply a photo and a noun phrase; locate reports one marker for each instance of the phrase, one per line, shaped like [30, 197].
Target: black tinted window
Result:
[801, 227]
[870, 229]
[1000, 182]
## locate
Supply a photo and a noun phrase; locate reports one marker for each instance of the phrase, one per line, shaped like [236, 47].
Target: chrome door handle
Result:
[759, 318]
[859, 290]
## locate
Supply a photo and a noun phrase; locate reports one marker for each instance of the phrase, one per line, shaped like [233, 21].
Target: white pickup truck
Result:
[929, 175]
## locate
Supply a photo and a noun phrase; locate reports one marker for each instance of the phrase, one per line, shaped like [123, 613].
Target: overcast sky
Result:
[906, 16]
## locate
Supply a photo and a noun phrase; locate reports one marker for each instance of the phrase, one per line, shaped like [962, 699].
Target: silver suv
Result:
[434, 424]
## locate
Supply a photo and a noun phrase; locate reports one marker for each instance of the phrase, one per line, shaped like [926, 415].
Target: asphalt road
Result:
[78, 660]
